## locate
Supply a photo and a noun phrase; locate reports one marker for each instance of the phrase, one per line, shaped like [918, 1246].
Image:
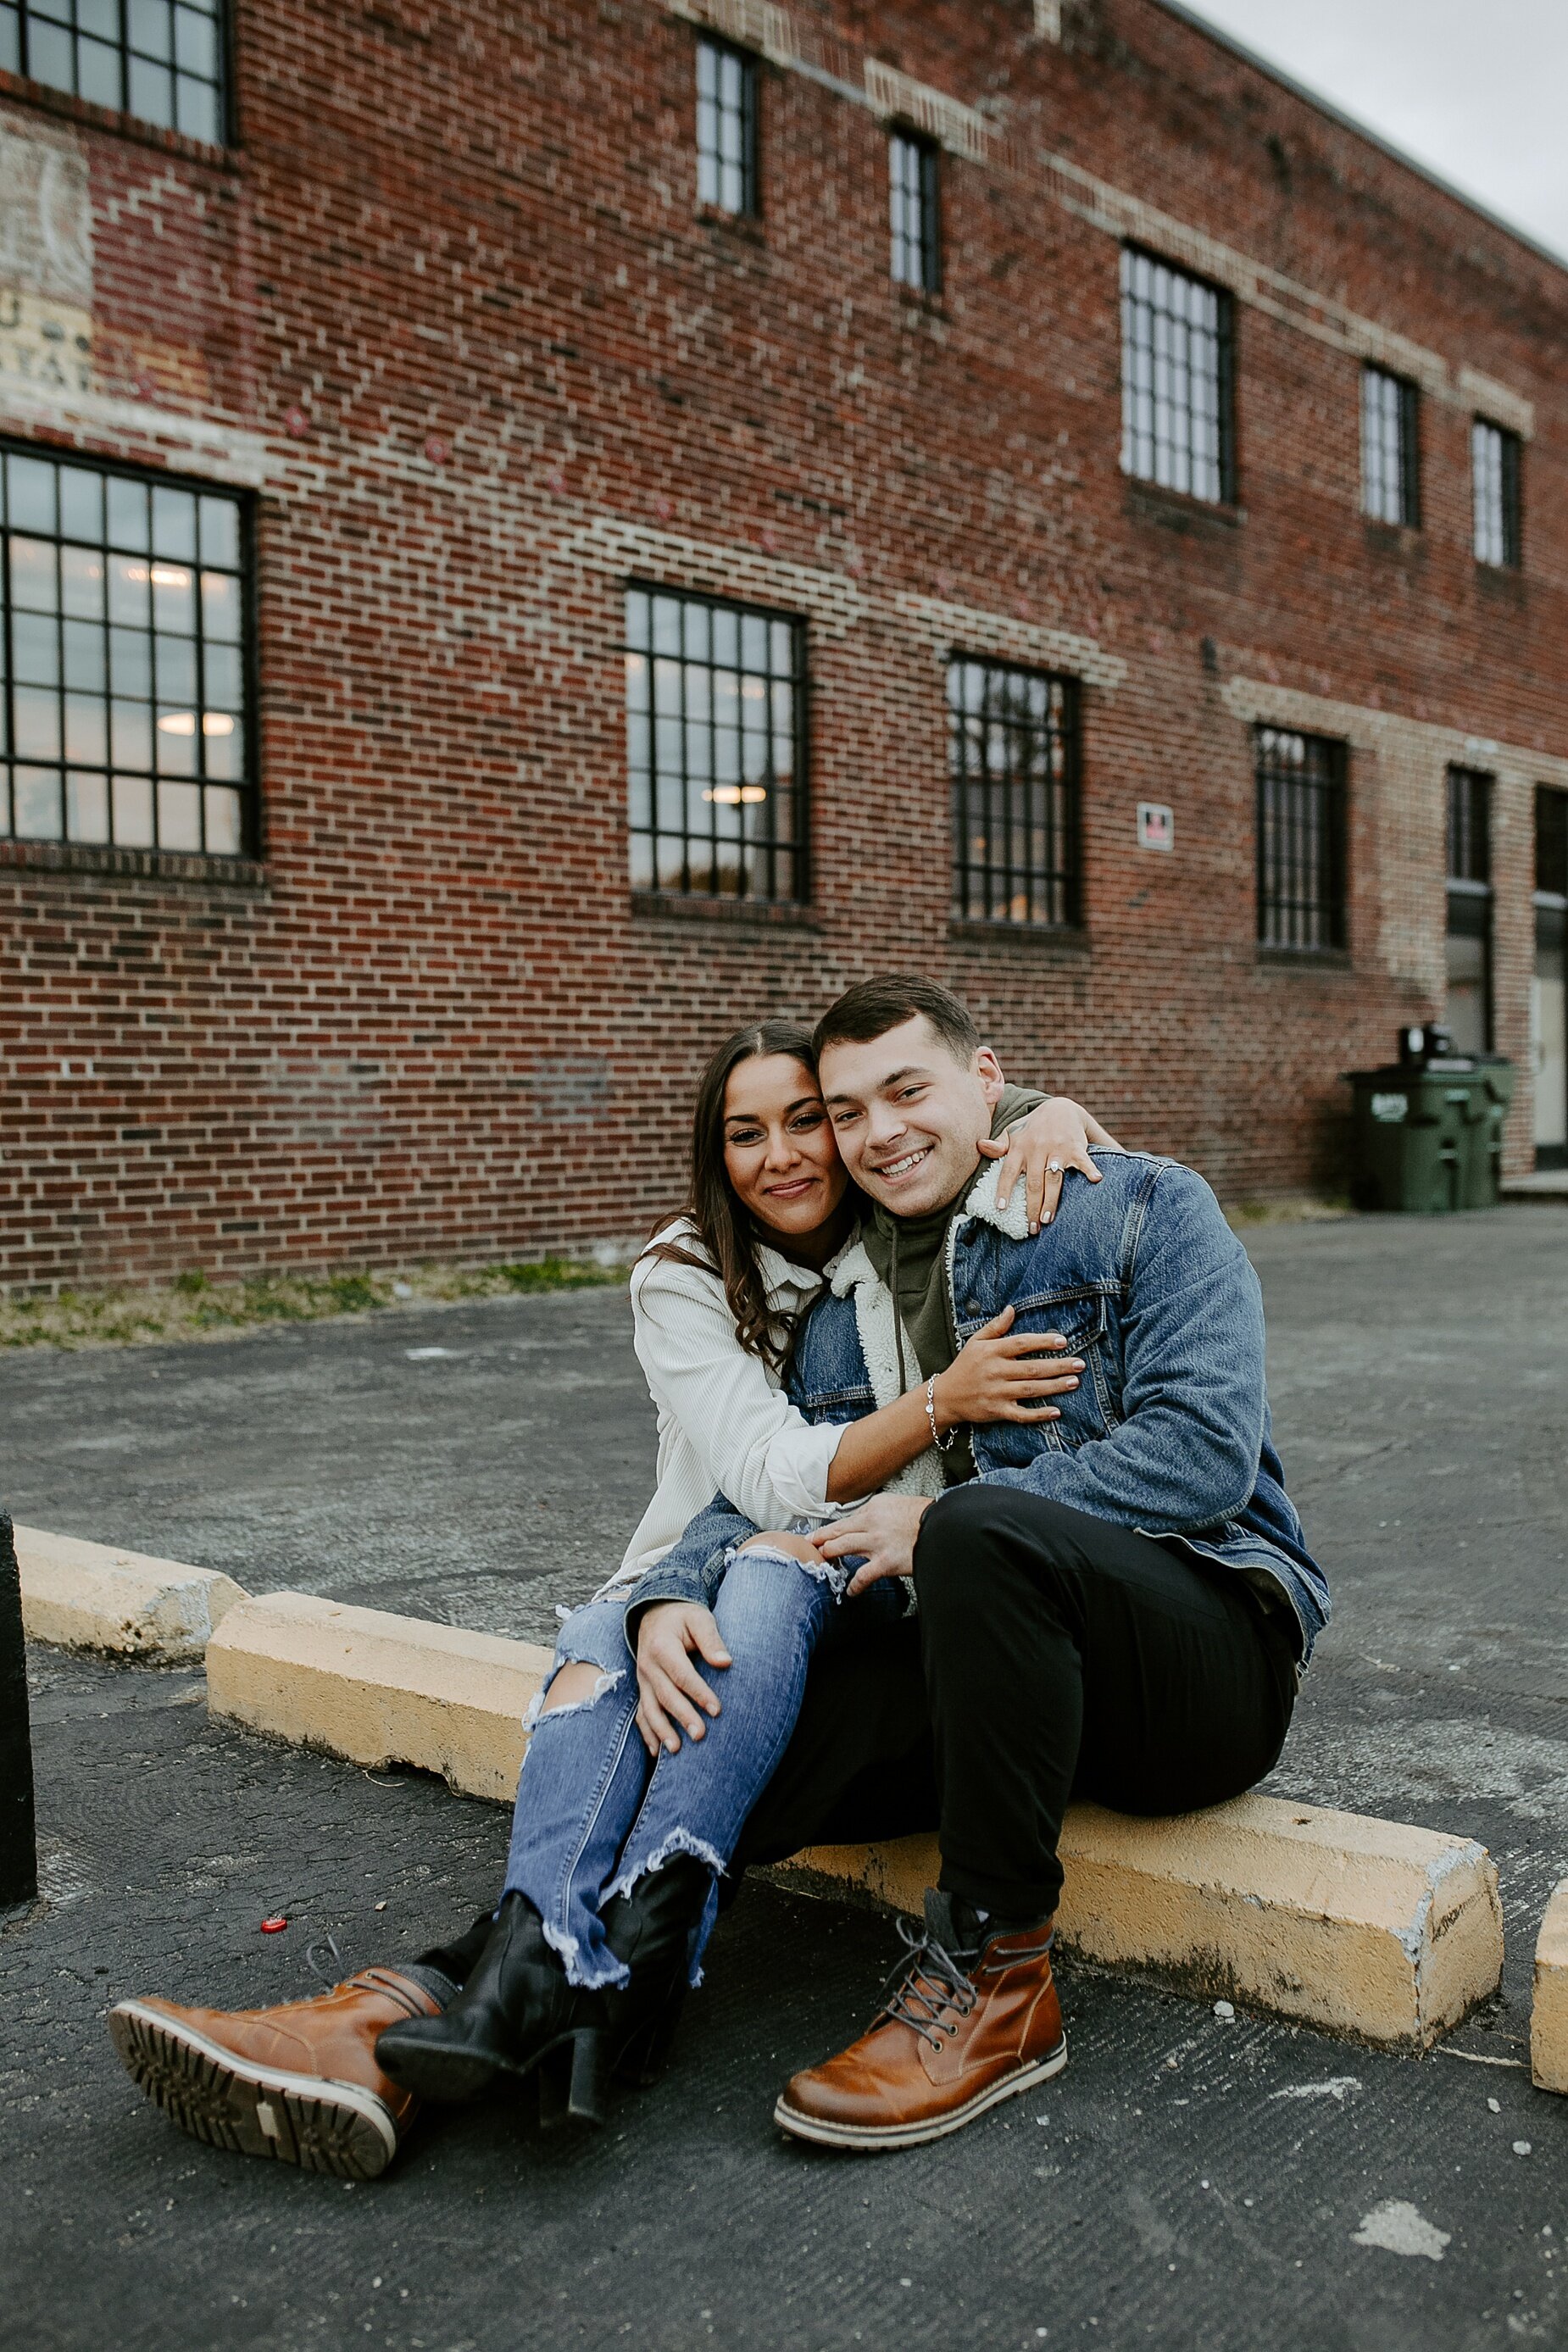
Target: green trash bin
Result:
[1491, 1100]
[1411, 1147]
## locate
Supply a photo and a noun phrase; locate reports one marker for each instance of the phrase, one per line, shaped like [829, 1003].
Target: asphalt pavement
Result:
[1190, 2180]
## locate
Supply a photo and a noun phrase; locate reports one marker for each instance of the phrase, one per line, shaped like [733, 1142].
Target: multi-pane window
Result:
[1494, 470]
[1470, 878]
[159, 60]
[715, 747]
[1300, 840]
[914, 212]
[1012, 760]
[1176, 426]
[726, 127]
[1390, 466]
[124, 713]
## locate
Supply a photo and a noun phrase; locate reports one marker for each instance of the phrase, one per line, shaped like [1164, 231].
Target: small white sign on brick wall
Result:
[1156, 826]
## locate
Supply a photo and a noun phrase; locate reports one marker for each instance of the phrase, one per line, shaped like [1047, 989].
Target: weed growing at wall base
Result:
[193, 1307]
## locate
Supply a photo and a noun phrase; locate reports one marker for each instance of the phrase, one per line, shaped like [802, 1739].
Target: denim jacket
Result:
[1168, 1431]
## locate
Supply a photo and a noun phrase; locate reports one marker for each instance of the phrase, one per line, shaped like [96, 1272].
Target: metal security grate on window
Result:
[1300, 840]
[726, 127]
[1389, 476]
[161, 60]
[1494, 467]
[1012, 759]
[913, 211]
[715, 747]
[1175, 380]
[124, 700]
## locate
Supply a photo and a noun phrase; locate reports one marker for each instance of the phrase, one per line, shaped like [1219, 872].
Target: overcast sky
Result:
[1477, 93]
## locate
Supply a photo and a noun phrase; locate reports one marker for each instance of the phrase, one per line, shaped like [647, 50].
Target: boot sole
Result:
[914, 2135]
[321, 2126]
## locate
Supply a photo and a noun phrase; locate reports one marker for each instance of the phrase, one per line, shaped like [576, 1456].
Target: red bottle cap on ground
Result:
[275, 1925]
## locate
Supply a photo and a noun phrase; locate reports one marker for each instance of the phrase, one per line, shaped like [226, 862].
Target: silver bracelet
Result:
[940, 1443]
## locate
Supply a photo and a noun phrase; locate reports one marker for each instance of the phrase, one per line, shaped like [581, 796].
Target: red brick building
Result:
[540, 529]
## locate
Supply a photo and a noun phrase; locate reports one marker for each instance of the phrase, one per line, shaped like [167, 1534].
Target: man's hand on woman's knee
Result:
[670, 1691]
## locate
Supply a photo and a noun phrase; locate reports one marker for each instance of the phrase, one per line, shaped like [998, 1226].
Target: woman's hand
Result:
[1053, 1138]
[998, 1376]
[670, 1688]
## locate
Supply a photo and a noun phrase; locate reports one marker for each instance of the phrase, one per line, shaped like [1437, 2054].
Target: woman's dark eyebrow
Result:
[753, 1118]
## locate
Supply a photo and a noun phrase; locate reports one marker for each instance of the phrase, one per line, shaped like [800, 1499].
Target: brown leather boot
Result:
[957, 2032]
[299, 2082]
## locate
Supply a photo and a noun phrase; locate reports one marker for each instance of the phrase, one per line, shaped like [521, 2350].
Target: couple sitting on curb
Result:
[963, 1509]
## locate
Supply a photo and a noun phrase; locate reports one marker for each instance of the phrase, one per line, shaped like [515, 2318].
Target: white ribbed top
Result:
[725, 1427]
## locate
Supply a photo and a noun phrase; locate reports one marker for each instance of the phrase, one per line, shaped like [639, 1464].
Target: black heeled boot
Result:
[515, 2010]
[651, 1930]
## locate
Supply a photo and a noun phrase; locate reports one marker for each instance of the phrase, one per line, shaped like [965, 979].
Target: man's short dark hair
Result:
[872, 1007]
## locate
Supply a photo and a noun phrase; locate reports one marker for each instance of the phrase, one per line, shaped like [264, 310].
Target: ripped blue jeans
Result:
[594, 1812]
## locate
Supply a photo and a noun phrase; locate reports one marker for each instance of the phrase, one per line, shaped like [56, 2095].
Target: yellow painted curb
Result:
[1549, 2015]
[89, 1596]
[1363, 1927]
[378, 1689]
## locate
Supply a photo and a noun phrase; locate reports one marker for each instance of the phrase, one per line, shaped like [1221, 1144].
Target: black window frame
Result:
[24, 16]
[796, 847]
[1511, 456]
[1052, 885]
[1468, 872]
[1134, 346]
[1408, 412]
[750, 112]
[248, 783]
[927, 155]
[1282, 856]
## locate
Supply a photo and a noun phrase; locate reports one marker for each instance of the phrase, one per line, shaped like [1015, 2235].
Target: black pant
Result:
[1065, 1656]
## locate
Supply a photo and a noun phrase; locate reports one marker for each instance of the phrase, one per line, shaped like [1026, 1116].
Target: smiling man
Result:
[1115, 1605]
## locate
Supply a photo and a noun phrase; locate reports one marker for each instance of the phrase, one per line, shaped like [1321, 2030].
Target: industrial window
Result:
[1494, 468]
[1469, 925]
[1013, 754]
[159, 60]
[125, 630]
[715, 747]
[1300, 840]
[913, 211]
[1390, 463]
[726, 127]
[1176, 425]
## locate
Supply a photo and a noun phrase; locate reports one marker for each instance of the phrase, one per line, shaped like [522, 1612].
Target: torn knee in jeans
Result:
[775, 1547]
[787, 1552]
[576, 1684]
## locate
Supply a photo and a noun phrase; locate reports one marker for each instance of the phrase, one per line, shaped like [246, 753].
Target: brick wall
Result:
[451, 313]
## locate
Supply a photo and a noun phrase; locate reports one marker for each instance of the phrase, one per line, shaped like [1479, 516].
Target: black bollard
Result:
[18, 1845]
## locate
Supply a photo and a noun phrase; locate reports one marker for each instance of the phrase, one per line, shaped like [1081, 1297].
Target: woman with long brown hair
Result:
[638, 1776]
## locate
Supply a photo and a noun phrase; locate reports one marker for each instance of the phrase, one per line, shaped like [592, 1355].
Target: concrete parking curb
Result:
[1549, 2014]
[90, 1596]
[1365, 1927]
[378, 1689]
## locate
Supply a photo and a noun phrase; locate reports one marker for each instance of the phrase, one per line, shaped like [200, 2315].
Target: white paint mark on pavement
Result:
[427, 1355]
[1335, 2087]
[1399, 2229]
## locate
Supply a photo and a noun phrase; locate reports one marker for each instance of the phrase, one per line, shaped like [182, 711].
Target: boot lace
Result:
[926, 1984]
